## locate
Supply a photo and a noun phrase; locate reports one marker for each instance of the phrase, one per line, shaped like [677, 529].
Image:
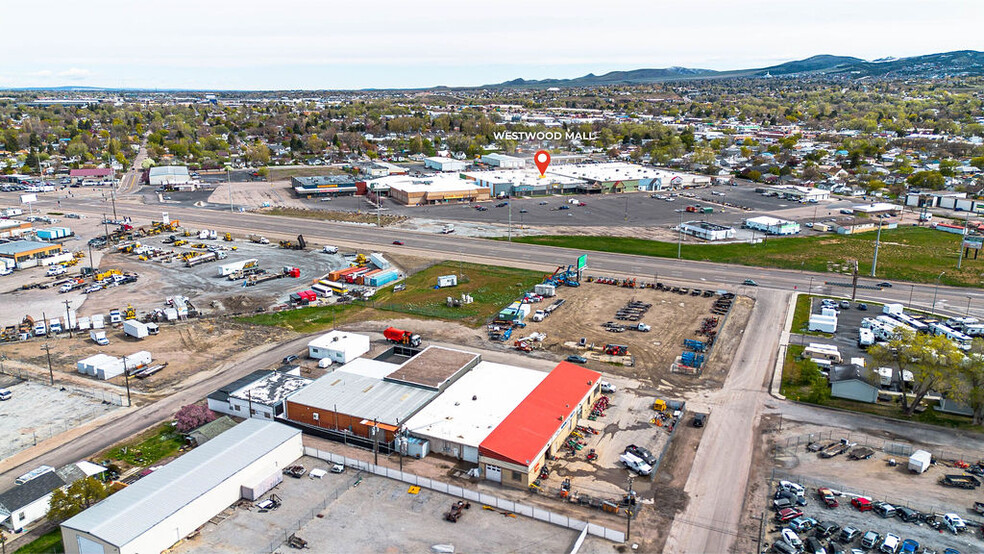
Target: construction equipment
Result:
[399, 336]
[129, 312]
[301, 244]
[456, 510]
[616, 349]
[106, 274]
[227, 237]
[258, 239]
[659, 405]
[360, 259]
[296, 542]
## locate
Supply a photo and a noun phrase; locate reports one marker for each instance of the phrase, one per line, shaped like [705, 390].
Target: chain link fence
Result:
[892, 448]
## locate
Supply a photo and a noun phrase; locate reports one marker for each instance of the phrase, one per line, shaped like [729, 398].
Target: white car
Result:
[606, 386]
[55, 270]
[5, 270]
[890, 545]
[337, 468]
[792, 539]
[954, 523]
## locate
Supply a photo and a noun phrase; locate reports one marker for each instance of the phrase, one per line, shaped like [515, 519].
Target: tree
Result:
[192, 417]
[258, 153]
[932, 360]
[932, 180]
[79, 496]
[971, 388]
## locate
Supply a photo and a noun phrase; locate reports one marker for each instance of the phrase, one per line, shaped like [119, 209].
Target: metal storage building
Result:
[445, 164]
[503, 161]
[772, 225]
[170, 503]
[707, 231]
[168, 175]
[340, 346]
[27, 253]
[458, 420]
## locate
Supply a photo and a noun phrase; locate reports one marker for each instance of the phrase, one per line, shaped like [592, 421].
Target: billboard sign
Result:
[28, 198]
[582, 261]
[974, 242]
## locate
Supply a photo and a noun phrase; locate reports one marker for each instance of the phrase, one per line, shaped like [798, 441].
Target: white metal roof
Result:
[361, 396]
[474, 405]
[432, 183]
[133, 511]
[767, 220]
[368, 367]
[271, 388]
[341, 341]
[612, 171]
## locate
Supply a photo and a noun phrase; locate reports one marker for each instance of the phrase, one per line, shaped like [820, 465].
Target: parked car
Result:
[700, 420]
[289, 359]
[848, 534]
[910, 546]
[787, 514]
[398, 242]
[906, 514]
[337, 468]
[870, 539]
[791, 486]
[861, 504]
[827, 496]
[802, 523]
[781, 503]
[5, 394]
[782, 547]
[4, 270]
[577, 359]
[794, 499]
[502, 204]
[883, 509]
[813, 546]
[642, 453]
[954, 523]
[862, 306]
[825, 529]
[792, 539]
[891, 544]
[606, 387]
[845, 304]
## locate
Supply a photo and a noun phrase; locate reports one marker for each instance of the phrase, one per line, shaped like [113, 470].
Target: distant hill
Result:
[964, 62]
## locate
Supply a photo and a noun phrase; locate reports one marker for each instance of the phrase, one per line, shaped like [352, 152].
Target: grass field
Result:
[492, 288]
[48, 542]
[149, 448]
[327, 215]
[913, 254]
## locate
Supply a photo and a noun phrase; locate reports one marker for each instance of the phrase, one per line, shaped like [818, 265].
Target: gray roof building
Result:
[385, 401]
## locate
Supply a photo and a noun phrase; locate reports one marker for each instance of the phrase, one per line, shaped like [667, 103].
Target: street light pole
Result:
[935, 290]
[874, 262]
[680, 237]
[968, 305]
[911, 288]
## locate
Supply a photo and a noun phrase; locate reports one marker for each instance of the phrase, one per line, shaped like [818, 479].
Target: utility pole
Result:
[375, 443]
[932, 309]
[854, 282]
[510, 222]
[966, 223]
[68, 318]
[680, 237]
[968, 306]
[106, 228]
[628, 510]
[626, 208]
[112, 194]
[911, 289]
[126, 379]
[874, 262]
[47, 351]
[229, 184]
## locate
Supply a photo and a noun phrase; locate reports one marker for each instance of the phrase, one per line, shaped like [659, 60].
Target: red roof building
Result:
[539, 424]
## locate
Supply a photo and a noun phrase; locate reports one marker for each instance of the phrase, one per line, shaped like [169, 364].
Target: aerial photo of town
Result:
[684, 278]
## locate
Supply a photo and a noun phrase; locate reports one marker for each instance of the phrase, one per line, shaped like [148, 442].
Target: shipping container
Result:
[382, 278]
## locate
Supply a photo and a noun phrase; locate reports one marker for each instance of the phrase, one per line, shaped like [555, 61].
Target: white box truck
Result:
[99, 337]
[135, 328]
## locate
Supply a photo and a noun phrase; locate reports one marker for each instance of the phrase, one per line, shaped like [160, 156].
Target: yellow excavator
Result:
[129, 312]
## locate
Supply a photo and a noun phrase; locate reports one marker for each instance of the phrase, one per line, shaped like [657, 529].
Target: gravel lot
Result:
[37, 412]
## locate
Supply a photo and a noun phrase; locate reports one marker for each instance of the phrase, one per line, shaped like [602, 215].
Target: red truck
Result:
[399, 336]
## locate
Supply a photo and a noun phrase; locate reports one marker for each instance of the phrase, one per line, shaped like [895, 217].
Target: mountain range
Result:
[962, 62]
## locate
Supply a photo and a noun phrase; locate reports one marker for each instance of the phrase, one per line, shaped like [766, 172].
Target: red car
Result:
[862, 504]
[787, 514]
[398, 242]
[827, 496]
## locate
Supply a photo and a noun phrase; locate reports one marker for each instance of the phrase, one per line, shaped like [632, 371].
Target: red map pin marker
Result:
[542, 161]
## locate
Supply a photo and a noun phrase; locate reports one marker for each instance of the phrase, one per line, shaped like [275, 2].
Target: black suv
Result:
[642, 453]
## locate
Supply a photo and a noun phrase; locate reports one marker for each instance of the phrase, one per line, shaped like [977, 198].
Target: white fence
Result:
[470, 495]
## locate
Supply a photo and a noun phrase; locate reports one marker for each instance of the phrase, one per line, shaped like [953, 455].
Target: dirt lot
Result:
[187, 347]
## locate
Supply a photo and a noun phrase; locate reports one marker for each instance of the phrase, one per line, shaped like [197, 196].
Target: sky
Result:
[327, 44]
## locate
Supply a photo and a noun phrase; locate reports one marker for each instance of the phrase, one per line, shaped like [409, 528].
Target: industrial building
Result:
[324, 185]
[772, 225]
[168, 175]
[13, 228]
[260, 395]
[503, 161]
[445, 164]
[707, 231]
[172, 502]
[619, 177]
[805, 194]
[28, 253]
[340, 346]
[514, 452]
[877, 208]
[433, 189]
[457, 421]
[371, 395]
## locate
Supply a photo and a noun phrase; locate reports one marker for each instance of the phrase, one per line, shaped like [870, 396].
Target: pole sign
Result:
[974, 243]
[582, 261]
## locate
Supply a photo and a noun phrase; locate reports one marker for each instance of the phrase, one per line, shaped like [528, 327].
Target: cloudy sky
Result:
[326, 44]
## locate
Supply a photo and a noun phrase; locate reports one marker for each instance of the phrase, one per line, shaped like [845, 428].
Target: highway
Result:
[949, 300]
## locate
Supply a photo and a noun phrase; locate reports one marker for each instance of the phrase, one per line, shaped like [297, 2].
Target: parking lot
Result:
[848, 323]
[351, 512]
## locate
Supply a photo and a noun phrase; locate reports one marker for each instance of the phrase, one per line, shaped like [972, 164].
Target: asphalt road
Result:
[950, 300]
[720, 471]
[149, 415]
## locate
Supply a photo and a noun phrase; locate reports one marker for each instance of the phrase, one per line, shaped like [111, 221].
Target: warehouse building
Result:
[168, 175]
[172, 502]
[503, 161]
[339, 346]
[445, 164]
[28, 253]
[350, 404]
[614, 176]
[804, 194]
[524, 182]
[259, 395]
[13, 228]
[707, 231]
[515, 451]
[457, 421]
[435, 189]
[324, 185]
[772, 225]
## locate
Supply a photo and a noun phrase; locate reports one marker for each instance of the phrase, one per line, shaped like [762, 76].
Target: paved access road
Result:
[948, 299]
[719, 475]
